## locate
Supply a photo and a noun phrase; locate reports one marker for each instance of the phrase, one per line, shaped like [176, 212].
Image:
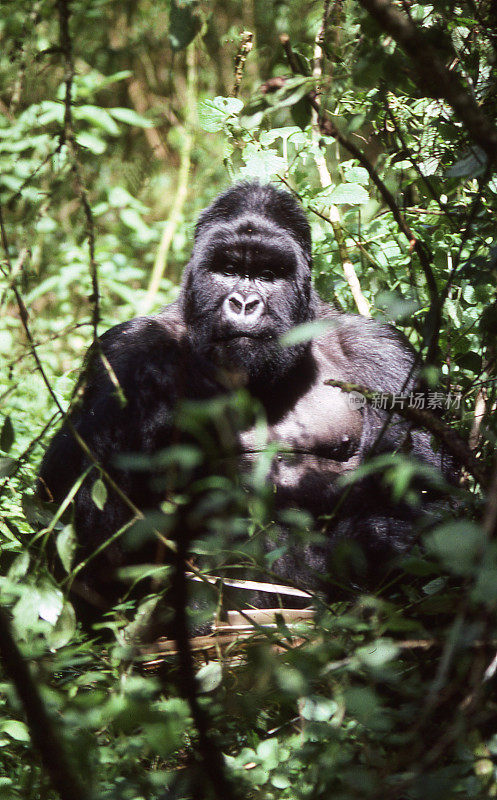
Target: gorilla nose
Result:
[243, 308]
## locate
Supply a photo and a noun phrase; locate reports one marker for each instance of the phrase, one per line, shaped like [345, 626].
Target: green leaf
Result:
[66, 545]
[354, 174]
[98, 117]
[261, 165]
[349, 193]
[7, 435]
[378, 653]
[429, 166]
[213, 114]
[99, 493]
[36, 512]
[318, 709]
[64, 629]
[290, 131]
[306, 332]
[291, 95]
[25, 612]
[7, 466]
[19, 566]
[130, 117]
[92, 143]
[280, 781]
[184, 23]
[51, 601]
[293, 90]
[16, 730]
[457, 544]
[209, 677]
[267, 751]
[49, 111]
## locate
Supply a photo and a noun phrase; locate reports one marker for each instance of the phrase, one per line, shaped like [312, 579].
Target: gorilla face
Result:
[248, 283]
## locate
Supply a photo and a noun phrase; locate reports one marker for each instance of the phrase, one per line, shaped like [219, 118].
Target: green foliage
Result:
[387, 693]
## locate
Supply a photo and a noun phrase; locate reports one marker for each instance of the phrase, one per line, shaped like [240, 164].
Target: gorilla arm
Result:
[145, 355]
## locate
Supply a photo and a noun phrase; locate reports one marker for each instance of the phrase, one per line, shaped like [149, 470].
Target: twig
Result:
[24, 455]
[361, 302]
[475, 206]
[246, 43]
[41, 343]
[23, 314]
[443, 206]
[317, 70]
[54, 759]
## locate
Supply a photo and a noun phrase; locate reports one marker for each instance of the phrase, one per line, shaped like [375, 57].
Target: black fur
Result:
[252, 250]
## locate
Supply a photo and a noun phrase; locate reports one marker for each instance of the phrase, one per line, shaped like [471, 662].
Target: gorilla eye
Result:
[226, 269]
[267, 275]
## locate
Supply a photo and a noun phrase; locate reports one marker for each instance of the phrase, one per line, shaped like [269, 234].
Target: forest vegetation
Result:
[119, 123]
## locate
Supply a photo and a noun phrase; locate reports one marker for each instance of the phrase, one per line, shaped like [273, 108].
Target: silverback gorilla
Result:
[248, 282]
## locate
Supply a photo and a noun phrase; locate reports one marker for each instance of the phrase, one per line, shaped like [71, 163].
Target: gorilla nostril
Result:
[252, 305]
[236, 304]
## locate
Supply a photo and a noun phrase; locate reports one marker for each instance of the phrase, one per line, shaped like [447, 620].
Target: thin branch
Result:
[360, 300]
[24, 455]
[317, 70]
[333, 216]
[23, 314]
[246, 44]
[475, 207]
[41, 343]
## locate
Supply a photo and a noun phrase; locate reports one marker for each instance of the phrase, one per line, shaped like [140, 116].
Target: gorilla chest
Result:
[319, 438]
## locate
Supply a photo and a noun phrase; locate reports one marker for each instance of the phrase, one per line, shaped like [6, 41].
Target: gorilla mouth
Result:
[232, 335]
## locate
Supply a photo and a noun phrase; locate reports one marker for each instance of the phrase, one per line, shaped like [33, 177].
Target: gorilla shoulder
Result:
[365, 351]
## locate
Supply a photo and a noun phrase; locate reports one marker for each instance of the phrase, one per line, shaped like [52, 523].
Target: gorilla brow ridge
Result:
[276, 247]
